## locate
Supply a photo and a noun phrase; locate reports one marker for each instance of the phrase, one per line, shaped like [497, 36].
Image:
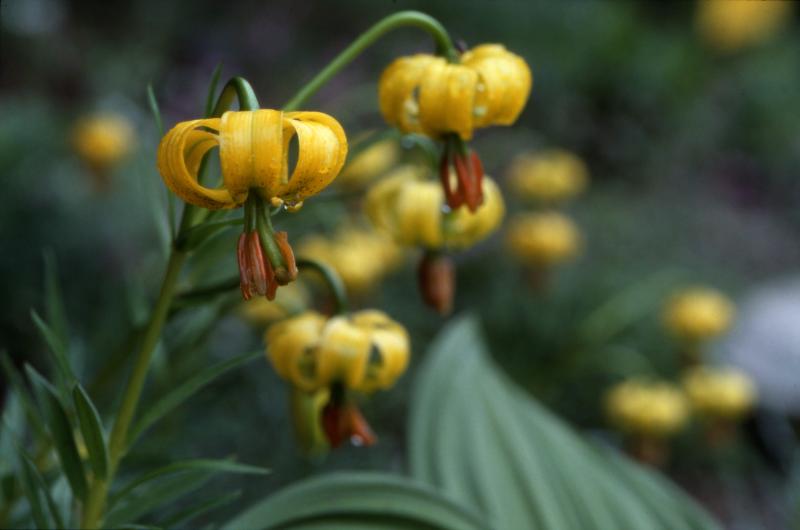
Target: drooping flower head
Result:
[254, 155]
[697, 314]
[414, 212]
[254, 151]
[543, 239]
[647, 408]
[428, 95]
[548, 177]
[362, 352]
[361, 256]
[719, 393]
[102, 140]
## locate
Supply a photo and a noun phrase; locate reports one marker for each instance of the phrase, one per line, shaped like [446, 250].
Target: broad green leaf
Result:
[212, 466]
[61, 432]
[92, 431]
[357, 500]
[197, 510]
[57, 348]
[178, 395]
[53, 299]
[159, 494]
[486, 443]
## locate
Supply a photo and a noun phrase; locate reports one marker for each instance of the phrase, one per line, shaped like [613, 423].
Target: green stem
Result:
[266, 232]
[333, 281]
[118, 441]
[117, 444]
[444, 46]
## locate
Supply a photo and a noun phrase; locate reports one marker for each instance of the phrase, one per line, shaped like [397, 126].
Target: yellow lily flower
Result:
[719, 393]
[550, 176]
[697, 314]
[364, 352]
[730, 25]
[647, 408]
[254, 156]
[102, 140]
[426, 94]
[543, 239]
[412, 212]
[254, 152]
[361, 256]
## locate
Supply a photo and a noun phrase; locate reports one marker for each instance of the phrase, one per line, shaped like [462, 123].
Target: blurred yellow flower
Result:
[697, 314]
[369, 164]
[413, 212]
[364, 351]
[543, 239]
[549, 177]
[719, 393]
[290, 300]
[647, 408]
[102, 140]
[426, 94]
[361, 256]
[254, 155]
[729, 25]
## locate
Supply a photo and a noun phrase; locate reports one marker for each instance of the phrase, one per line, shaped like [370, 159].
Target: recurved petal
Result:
[398, 87]
[390, 343]
[291, 348]
[505, 83]
[179, 155]
[343, 353]
[322, 150]
[446, 99]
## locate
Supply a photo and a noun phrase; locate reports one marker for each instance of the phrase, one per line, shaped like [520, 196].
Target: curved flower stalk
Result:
[415, 214]
[361, 256]
[361, 352]
[428, 95]
[254, 158]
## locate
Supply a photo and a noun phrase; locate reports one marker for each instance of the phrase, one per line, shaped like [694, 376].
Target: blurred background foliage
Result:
[692, 149]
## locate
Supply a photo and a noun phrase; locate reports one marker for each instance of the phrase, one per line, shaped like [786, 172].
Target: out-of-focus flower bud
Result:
[698, 314]
[729, 25]
[542, 240]
[548, 177]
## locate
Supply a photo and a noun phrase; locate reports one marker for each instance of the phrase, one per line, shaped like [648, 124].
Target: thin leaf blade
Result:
[92, 431]
[186, 390]
[61, 431]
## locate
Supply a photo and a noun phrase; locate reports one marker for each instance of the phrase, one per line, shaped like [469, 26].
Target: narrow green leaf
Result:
[178, 395]
[370, 500]
[32, 474]
[213, 466]
[197, 510]
[57, 348]
[33, 494]
[32, 413]
[154, 109]
[161, 493]
[212, 89]
[92, 431]
[54, 300]
[61, 432]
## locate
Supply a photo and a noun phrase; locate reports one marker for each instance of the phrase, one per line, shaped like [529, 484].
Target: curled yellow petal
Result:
[342, 353]
[322, 150]
[289, 344]
[447, 99]
[179, 156]
[505, 83]
[398, 88]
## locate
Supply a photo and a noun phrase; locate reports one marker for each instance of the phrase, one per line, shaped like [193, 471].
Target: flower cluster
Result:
[542, 237]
